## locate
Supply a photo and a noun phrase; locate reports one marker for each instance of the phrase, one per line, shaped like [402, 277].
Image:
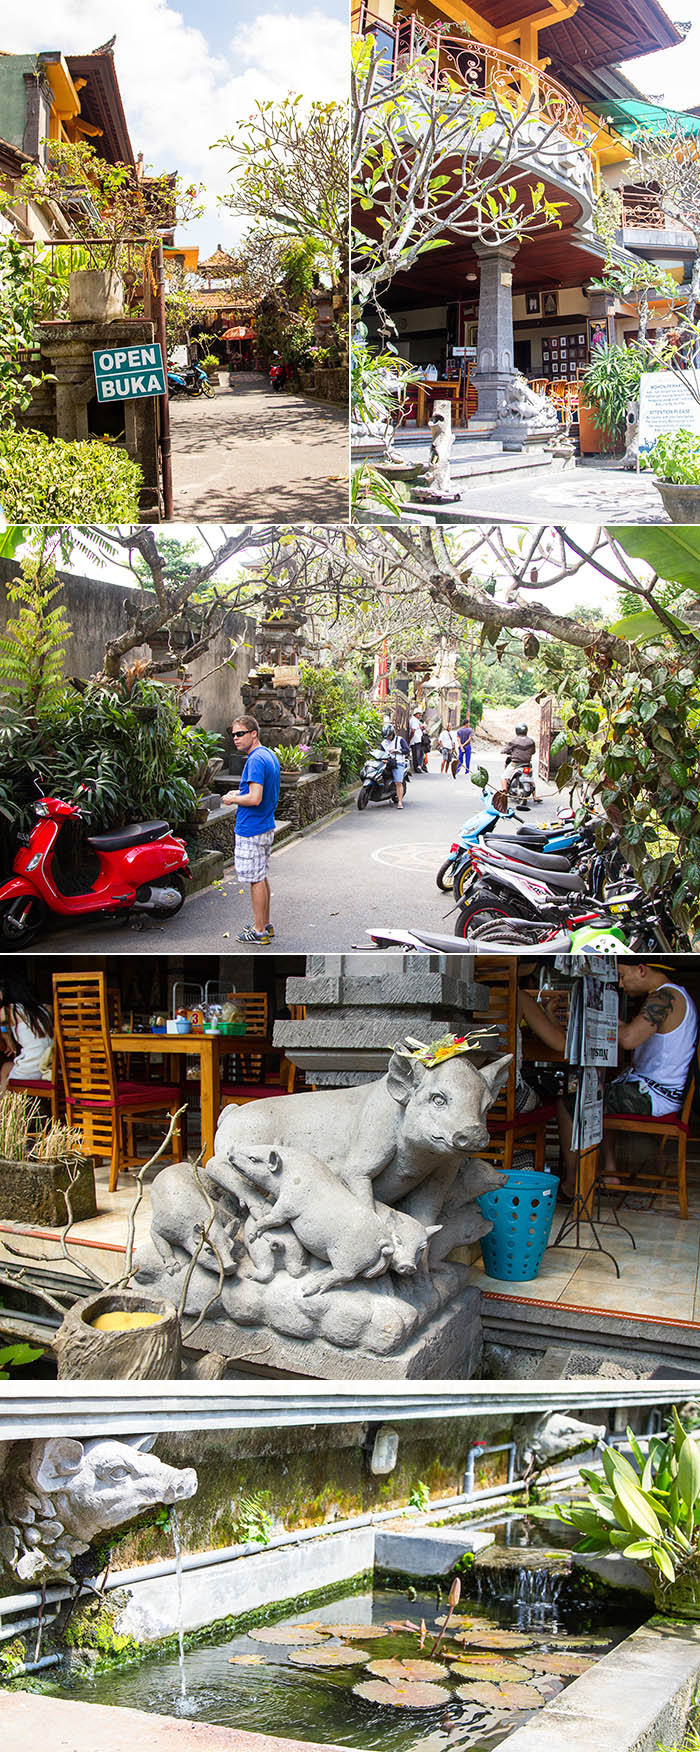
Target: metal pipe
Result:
[165, 439]
[35, 1666]
[480, 1449]
[20, 1624]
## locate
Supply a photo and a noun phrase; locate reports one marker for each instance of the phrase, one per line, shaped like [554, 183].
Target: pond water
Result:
[251, 1683]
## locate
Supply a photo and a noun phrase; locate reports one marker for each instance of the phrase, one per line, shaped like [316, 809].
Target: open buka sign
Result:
[125, 373]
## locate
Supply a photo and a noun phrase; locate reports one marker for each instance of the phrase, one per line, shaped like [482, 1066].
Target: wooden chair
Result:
[101, 1103]
[249, 1085]
[667, 1128]
[507, 1127]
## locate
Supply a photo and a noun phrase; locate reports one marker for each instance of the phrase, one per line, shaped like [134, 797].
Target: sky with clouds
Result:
[189, 72]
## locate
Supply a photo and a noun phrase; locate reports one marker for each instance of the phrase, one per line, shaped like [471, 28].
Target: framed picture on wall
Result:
[581, 340]
[597, 332]
[532, 303]
[550, 304]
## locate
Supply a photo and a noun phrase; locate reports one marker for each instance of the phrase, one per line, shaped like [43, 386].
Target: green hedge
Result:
[48, 480]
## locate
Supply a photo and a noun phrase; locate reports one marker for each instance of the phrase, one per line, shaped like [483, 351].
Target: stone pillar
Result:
[495, 370]
[359, 1007]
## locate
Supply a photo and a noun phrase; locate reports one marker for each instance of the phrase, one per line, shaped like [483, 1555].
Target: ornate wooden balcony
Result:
[479, 69]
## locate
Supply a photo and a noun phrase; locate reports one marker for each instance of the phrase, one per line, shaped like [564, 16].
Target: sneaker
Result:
[270, 930]
[250, 935]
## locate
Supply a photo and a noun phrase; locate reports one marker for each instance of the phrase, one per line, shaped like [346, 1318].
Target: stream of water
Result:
[184, 1704]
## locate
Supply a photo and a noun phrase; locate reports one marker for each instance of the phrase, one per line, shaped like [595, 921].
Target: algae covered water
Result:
[270, 1686]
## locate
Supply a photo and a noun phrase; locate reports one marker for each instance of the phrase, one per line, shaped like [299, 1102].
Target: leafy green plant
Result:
[612, 381]
[675, 457]
[292, 760]
[209, 362]
[54, 480]
[648, 1511]
[254, 1523]
[33, 644]
[17, 1356]
[420, 1496]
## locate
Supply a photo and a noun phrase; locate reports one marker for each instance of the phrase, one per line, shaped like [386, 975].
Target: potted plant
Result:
[649, 1511]
[210, 364]
[675, 460]
[293, 762]
[41, 1161]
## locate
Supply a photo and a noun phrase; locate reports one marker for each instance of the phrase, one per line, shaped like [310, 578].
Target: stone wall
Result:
[96, 611]
[358, 1006]
[315, 795]
[327, 383]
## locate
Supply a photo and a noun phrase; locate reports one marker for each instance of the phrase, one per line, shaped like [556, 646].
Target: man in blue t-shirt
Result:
[256, 797]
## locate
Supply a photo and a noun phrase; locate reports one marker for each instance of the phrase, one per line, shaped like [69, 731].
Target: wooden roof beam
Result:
[555, 13]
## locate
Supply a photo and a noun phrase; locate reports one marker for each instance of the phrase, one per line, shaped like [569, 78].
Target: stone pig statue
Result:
[56, 1501]
[180, 1215]
[555, 1435]
[401, 1139]
[329, 1220]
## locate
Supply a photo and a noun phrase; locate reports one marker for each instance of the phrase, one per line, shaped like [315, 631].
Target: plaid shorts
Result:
[253, 856]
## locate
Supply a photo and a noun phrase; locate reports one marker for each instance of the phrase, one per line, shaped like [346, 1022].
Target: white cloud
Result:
[179, 96]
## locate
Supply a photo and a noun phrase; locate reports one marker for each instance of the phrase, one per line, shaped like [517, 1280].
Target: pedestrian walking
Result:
[464, 756]
[448, 745]
[427, 745]
[256, 797]
[415, 737]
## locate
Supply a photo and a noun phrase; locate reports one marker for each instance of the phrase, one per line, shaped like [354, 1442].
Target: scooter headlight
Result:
[40, 809]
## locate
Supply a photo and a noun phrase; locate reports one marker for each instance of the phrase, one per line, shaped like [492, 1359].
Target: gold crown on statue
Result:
[448, 1046]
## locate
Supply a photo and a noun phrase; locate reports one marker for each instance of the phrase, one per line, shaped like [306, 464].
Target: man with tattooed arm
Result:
[661, 1037]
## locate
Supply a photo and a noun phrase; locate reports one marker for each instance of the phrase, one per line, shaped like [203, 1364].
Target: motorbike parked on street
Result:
[277, 373]
[138, 870]
[378, 784]
[188, 380]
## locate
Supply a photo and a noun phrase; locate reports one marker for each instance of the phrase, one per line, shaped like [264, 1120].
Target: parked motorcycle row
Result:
[553, 887]
[188, 380]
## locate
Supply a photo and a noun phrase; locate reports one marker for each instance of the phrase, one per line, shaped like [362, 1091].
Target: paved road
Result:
[375, 868]
[593, 492]
[251, 453]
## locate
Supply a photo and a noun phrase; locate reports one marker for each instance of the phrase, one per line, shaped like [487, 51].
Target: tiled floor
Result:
[660, 1278]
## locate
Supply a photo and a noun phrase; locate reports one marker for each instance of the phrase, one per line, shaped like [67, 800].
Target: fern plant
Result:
[32, 647]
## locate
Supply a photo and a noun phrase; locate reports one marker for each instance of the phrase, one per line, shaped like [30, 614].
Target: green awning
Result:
[627, 117]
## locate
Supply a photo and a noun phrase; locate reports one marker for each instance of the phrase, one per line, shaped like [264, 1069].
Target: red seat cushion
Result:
[521, 1121]
[252, 1091]
[35, 1085]
[642, 1120]
[154, 1095]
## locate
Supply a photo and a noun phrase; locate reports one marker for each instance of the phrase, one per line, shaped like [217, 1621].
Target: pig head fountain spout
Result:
[58, 1495]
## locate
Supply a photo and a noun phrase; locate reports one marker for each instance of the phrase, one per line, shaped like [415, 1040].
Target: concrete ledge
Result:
[633, 1699]
[65, 1726]
[231, 1589]
[431, 1553]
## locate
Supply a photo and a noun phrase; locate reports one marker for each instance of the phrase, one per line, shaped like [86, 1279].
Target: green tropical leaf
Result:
[673, 552]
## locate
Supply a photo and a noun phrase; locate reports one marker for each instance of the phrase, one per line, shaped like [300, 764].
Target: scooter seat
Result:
[556, 879]
[524, 855]
[138, 835]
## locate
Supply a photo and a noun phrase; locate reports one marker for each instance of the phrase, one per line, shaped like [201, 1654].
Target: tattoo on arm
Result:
[657, 1008]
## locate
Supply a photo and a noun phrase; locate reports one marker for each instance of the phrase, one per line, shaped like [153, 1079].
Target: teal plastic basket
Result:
[522, 1212]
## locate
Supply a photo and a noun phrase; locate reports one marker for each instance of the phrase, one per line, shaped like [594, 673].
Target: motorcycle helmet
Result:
[521, 729]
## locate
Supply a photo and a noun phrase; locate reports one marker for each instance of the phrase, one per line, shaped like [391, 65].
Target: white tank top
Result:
[33, 1060]
[662, 1062]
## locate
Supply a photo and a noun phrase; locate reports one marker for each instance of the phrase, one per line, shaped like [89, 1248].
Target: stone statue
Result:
[522, 403]
[346, 1205]
[57, 1496]
[552, 1436]
[437, 475]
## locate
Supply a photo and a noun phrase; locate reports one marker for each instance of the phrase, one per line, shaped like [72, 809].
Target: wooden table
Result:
[209, 1049]
[430, 391]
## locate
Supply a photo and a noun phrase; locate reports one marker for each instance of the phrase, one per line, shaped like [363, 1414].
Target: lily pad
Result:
[458, 1621]
[287, 1635]
[563, 1666]
[333, 1655]
[407, 1669]
[246, 1660]
[487, 1668]
[411, 1695]
[497, 1639]
[503, 1697]
[360, 1632]
[482, 1692]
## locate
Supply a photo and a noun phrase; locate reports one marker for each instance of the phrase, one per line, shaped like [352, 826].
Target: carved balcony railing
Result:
[479, 69]
[641, 208]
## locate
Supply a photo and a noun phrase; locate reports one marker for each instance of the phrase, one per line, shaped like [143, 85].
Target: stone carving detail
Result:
[552, 1436]
[437, 476]
[520, 402]
[58, 1495]
[348, 1202]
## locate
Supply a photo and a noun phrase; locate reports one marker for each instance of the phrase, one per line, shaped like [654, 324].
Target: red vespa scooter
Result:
[142, 869]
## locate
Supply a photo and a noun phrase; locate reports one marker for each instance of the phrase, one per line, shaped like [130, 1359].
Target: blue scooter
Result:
[188, 380]
[553, 839]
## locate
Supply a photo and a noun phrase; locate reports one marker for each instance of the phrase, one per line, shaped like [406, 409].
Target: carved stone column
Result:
[494, 347]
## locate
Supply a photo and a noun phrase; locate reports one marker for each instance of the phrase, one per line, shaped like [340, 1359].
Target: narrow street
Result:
[375, 868]
[251, 453]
